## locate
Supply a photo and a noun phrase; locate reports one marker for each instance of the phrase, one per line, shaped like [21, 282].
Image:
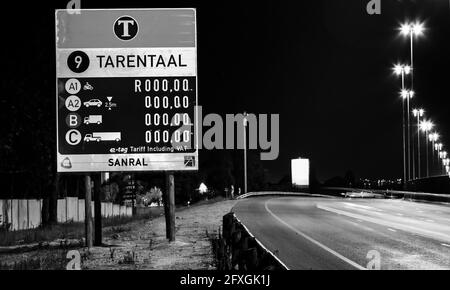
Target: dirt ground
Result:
[142, 245]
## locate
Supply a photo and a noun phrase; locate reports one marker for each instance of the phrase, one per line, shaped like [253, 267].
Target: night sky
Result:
[324, 66]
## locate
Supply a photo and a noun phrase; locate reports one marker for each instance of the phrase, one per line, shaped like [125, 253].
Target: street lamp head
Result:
[400, 69]
[434, 137]
[405, 29]
[416, 29]
[426, 126]
[406, 94]
[407, 69]
[397, 69]
[418, 112]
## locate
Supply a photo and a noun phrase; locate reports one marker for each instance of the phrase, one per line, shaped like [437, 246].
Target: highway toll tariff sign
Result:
[126, 90]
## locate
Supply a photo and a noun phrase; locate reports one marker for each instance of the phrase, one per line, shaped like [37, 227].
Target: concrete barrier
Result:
[21, 214]
[15, 214]
[116, 210]
[34, 213]
[123, 210]
[2, 213]
[109, 209]
[61, 211]
[72, 209]
[81, 210]
[129, 211]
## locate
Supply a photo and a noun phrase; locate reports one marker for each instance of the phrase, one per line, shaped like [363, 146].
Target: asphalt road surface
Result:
[332, 233]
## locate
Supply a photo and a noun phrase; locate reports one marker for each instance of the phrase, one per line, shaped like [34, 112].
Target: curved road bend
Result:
[325, 233]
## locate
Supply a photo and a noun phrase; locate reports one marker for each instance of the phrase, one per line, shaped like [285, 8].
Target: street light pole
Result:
[428, 165]
[410, 95]
[407, 94]
[418, 113]
[404, 144]
[409, 119]
[427, 126]
[245, 152]
[402, 70]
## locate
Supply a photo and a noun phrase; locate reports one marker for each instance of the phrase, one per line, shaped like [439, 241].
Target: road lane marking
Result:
[354, 264]
[445, 245]
[412, 229]
[362, 206]
[359, 226]
[392, 230]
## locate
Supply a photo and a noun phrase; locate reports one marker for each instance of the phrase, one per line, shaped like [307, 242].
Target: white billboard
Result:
[300, 172]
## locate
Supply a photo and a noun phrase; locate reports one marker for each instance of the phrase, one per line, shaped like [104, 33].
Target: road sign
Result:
[126, 90]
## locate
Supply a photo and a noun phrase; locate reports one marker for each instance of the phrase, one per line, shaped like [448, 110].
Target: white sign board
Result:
[126, 90]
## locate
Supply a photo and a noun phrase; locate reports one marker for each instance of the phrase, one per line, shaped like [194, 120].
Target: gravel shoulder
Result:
[142, 245]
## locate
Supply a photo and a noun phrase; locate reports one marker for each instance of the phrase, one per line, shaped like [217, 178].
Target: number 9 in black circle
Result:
[78, 61]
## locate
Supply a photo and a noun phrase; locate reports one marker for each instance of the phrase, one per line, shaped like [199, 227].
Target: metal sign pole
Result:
[88, 210]
[97, 211]
[169, 207]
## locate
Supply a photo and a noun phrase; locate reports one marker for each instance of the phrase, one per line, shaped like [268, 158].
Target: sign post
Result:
[97, 211]
[170, 210]
[126, 84]
[88, 210]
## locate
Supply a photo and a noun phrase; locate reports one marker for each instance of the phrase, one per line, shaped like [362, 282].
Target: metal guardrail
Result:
[279, 193]
[406, 195]
[239, 249]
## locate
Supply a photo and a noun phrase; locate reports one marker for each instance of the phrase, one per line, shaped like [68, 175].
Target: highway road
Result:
[342, 233]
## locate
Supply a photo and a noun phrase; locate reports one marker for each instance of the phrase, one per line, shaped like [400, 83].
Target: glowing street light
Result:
[418, 113]
[443, 155]
[408, 29]
[245, 150]
[411, 30]
[402, 70]
[427, 126]
[434, 137]
[407, 94]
